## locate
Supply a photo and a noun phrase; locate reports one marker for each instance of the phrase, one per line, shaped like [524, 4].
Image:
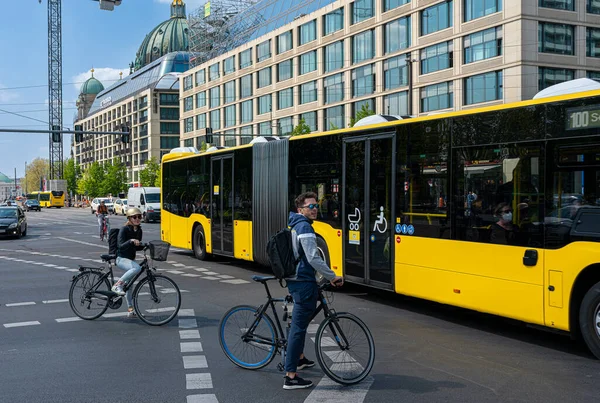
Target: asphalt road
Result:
[425, 352]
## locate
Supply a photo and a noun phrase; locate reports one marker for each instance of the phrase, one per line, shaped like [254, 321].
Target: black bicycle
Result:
[344, 345]
[156, 298]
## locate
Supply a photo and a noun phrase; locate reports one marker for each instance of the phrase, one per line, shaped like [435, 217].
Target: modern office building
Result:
[8, 188]
[322, 60]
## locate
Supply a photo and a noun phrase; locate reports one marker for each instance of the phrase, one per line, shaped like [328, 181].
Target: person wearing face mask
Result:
[504, 231]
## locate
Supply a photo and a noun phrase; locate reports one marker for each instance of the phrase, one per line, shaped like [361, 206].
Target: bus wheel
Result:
[199, 243]
[589, 319]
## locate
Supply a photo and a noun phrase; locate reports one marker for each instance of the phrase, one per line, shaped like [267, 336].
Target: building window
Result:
[264, 129]
[246, 111]
[396, 104]
[549, 76]
[334, 118]
[310, 118]
[568, 5]
[187, 83]
[593, 6]
[334, 56]
[307, 32]
[369, 104]
[188, 125]
[284, 126]
[246, 58]
[169, 113]
[285, 98]
[436, 57]
[188, 104]
[229, 65]
[246, 135]
[362, 10]
[201, 99]
[308, 62]
[363, 81]
[594, 75]
[284, 42]
[308, 92]
[200, 77]
[483, 88]
[201, 121]
[169, 99]
[284, 70]
[436, 18]
[397, 35]
[169, 142]
[229, 116]
[363, 46]
[215, 97]
[391, 4]
[264, 77]
[169, 127]
[482, 45]
[480, 8]
[229, 88]
[437, 96]
[264, 104]
[333, 87]
[215, 119]
[230, 140]
[395, 72]
[333, 21]
[186, 143]
[555, 38]
[263, 51]
[213, 72]
[246, 86]
[592, 42]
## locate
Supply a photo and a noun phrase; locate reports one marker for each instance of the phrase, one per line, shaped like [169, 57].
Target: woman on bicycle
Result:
[102, 214]
[129, 241]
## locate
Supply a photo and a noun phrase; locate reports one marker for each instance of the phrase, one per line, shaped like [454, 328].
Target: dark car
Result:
[32, 205]
[12, 221]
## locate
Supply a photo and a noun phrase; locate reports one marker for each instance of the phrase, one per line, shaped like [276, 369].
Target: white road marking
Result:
[114, 315]
[235, 281]
[190, 275]
[71, 319]
[20, 304]
[186, 312]
[332, 392]
[175, 272]
[198, 269]
[211, 273]
[191, 347]
[226, 276]
[326, 342]
[171, 261]
[54, 301]
[178, 264]
[187, 323]
[194, 361]
[189, 334]
[165, 309]
[83, 243]
[50, 265]
[19, 324]
[211, 278]
[198, 381]
[208, 398]
[312, 328]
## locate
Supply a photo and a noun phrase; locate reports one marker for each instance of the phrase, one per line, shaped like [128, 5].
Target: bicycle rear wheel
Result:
[345, 348]
[249, 351]
[84, 301]
[157, 300]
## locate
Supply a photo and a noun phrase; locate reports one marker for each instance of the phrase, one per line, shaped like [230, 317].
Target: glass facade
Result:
[215, 97]
[483, 88]
[246, 111]
[187, 83]
[229, 65]
[229, 88]
[395, 72]
[264, 129]
[397, 35]
[363, 80]
[308, 92]
[285, 98]
[396, 104]
[246, 58]
[201, 121]
[436, 57]
[333, 87]
[169, 127]
[334, 56]
[437, 96]
[284, 126]
[284, 42]
[363, 46]
[169, 99]
[555, 38]
[285, 70]
[215, 119]
[246, 134]
[246, 86]
[333, 21]
[592, 42]
[307, 32]
[213, 72]
[264, 77]
[263, 51]
[549, 76]
[593, 6]
[568, 5]
[310, 118]
[230, 116]
[391, 4]
[188, 103]
[200, 77]
[594, 75]
[188, 125]
[436, 18]
[230, 138]
[480, 8]
[264, 104]
[308, 62]
[362, 10]
[201, 99]
[482, 45]
[334, 118]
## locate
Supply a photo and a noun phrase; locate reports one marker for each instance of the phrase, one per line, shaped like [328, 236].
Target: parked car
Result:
[32, 205]
[121, 206]
[107, 201]
[12, 221]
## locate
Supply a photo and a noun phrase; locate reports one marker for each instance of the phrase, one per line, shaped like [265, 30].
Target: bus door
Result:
[368, 203]
[222, 204]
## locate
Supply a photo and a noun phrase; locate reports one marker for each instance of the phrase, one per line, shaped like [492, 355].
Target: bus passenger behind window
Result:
[504, 232]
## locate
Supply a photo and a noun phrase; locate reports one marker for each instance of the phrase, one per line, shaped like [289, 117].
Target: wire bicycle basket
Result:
[159, 250]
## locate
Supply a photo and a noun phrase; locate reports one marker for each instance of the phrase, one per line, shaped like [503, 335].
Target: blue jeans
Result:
[305, 295]
[131, 270]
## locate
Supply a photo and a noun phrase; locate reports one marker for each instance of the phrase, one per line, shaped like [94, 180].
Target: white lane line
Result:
[235, 281]
[211, 273]
[208, 398]
[332, 392]
[165, 309]
[186, 312]
[71, 319]
[175, 272]
[188, 323]
[81, 242]
[19, 324]
[178, 264]
[114, 315]
[189, 334]
[191, 347]
[212, 278]
[20, 304]
[54, 301]
[225, 276]
[199, 269]
[61, 267]
[198, 381]
[50, 265]
[171, 261]
[189, 274]
[73, 270]
[194, 361]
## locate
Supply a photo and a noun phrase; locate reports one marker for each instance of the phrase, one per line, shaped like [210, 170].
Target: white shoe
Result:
[118, 289]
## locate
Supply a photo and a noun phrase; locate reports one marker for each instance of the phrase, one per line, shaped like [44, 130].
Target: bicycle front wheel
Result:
[157, 300]
[247, 349]
[84, 299]
[345, 348]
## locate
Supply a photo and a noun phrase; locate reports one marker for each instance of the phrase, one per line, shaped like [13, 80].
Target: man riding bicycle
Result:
[102, 214]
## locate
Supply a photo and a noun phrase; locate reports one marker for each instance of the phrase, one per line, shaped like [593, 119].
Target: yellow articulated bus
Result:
[54, 198]
[494, 209]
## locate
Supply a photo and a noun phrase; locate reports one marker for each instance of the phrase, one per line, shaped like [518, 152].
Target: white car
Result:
[121, 206]
[107, 202]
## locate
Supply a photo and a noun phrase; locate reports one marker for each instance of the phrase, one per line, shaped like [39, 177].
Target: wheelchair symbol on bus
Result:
[381, 222]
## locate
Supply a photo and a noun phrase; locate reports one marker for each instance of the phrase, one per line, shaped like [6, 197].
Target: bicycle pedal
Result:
[280, 367]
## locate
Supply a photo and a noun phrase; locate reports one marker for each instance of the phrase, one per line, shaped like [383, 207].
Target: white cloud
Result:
[106, 75]
[7, 96]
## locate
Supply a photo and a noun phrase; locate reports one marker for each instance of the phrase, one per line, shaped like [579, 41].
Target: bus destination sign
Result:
[583, 118]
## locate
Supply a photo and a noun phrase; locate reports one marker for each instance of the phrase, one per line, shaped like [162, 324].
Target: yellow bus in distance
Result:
[54, 198]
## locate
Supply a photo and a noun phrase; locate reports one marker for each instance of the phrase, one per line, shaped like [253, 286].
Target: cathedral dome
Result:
[91, 86]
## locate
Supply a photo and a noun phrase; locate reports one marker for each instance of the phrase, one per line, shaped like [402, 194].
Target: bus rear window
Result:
[57, 193]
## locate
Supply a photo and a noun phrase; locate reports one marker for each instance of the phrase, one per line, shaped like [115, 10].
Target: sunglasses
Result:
[137, 217]
[311, 206]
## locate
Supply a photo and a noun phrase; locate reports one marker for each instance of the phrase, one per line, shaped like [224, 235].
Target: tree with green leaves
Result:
[150, 175]
[115, 180]
[301, 128]
[364, 111]
[36, 170]
[71, 174]
[92, 181]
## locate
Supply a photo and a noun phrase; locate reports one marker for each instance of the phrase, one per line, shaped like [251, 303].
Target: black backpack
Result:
[113, 237]
[280, 250]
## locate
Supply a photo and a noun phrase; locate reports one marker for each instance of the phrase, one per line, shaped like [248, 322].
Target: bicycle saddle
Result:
[108, 258]
[263, 279]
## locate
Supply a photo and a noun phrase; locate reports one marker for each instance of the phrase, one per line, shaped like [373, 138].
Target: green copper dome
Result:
[5, 179]
[169, 36]
[92, 86]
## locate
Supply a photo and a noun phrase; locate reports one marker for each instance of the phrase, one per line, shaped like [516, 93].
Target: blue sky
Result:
[104, 40]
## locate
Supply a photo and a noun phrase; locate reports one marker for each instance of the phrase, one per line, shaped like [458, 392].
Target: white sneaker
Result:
[118, 289]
